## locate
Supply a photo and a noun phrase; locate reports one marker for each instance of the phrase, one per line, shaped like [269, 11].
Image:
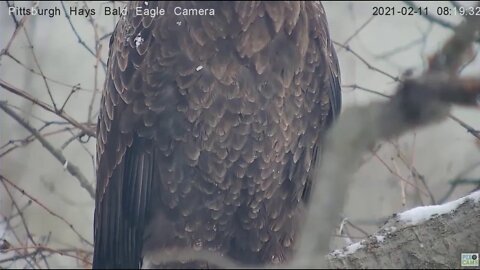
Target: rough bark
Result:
[435, 243]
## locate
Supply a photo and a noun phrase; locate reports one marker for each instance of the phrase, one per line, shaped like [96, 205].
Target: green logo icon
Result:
[469, 259]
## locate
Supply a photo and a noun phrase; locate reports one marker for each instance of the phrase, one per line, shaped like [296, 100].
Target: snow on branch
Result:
[420, 214]
[423, 237]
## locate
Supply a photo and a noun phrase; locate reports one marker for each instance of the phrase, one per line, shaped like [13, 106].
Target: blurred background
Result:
[59, 61]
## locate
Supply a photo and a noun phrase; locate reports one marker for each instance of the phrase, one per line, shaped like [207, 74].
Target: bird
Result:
[210, 125]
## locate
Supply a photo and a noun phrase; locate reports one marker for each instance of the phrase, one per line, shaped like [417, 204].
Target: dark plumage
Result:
[209, 129]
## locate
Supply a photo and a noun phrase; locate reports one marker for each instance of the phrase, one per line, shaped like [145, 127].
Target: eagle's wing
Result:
[125, 160]
[334, 92]
[272, 229]
[328, 71]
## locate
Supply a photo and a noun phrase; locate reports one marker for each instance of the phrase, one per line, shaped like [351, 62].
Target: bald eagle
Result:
[210, 124]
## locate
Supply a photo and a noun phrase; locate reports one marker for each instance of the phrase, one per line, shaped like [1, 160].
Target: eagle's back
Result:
[209, 129]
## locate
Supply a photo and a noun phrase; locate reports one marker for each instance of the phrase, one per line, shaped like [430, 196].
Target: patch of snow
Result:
[199, 68]
[391, 229]
[138, 40]
[411, 217]
[380, 238]
[353, 247]
[348, 249]
[348, 241]
[420, 214]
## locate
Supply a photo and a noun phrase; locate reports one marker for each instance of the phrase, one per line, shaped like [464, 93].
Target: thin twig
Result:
[431, 17]
[48, 78]
[469, 129]
[71, 168]
[414, 172]
[399, 49]
[24, 222]
[45, 106]
[98, 49]
[5, 179]
[369, 66]
[18, 27]
[367, 22]
[29, 139]
[357, 228]
[356, 86]
[80, 40]
[44, 248]
[37, 64]
[398, 176]
[74, 89]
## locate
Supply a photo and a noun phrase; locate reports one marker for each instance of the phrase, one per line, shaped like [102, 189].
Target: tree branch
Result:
[71, 168]
[47, 107]
[421, 245]
[431, 18]
[418, 102]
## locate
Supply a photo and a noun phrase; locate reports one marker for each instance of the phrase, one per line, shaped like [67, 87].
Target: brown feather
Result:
[209, 130]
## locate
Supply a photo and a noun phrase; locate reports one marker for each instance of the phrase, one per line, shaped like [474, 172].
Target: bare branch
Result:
[80, 40]
[24, 222]
[40, 248]
[369, 66]
[47, 107]
[367, 22]
[421, 246]
[431, 17]
[72, 169]
[418, 102]
[6, 180]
